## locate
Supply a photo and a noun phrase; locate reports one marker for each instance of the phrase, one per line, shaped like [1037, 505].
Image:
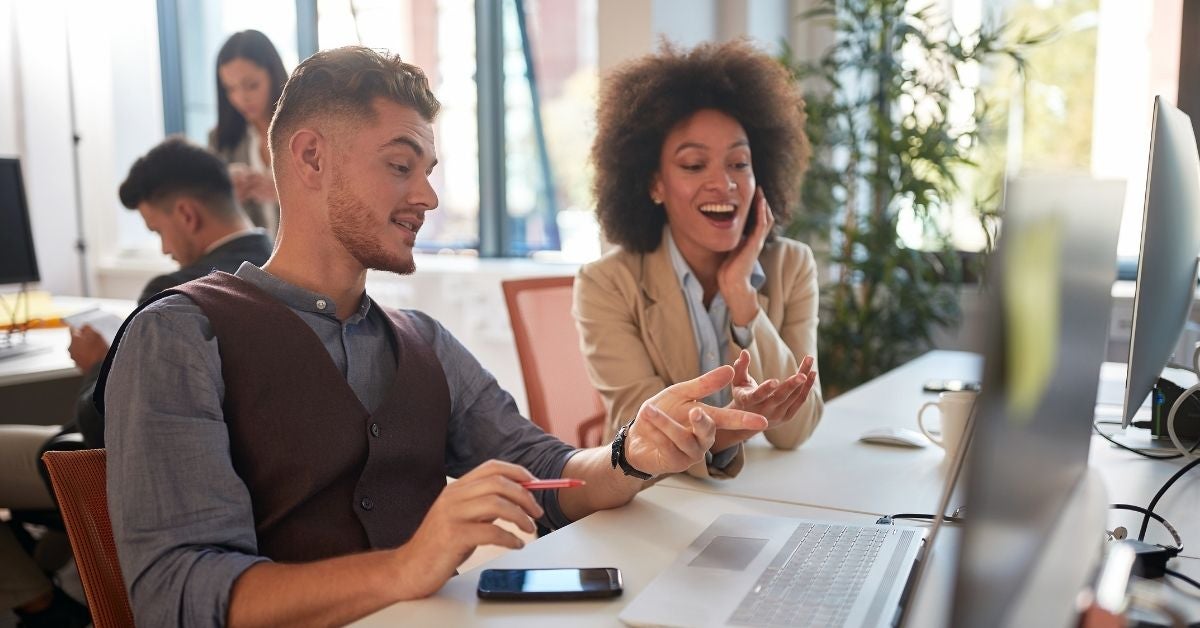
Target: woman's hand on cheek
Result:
[733, 278]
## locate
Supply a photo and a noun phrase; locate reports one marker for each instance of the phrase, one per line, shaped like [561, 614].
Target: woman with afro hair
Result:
[699, 155]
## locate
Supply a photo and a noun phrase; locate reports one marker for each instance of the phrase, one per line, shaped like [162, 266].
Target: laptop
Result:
[752, 570]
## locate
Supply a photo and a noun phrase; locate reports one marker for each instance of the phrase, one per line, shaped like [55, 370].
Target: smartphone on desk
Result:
[950, 385]
[549, 584]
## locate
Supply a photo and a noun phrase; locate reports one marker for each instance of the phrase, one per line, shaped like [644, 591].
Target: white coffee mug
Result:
[955, 408]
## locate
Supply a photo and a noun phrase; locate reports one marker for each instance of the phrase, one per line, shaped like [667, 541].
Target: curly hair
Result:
[643, 100]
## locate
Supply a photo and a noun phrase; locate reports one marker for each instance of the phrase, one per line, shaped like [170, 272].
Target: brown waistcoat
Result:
[326, 476]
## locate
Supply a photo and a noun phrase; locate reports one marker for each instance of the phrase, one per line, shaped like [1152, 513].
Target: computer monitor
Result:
[18, 263]
[1050, 294]
[1166, 276]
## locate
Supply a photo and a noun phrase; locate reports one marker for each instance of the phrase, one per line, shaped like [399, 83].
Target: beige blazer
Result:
[637, 338]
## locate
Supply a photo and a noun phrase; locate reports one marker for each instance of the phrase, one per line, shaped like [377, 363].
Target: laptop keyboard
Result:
[814, 579]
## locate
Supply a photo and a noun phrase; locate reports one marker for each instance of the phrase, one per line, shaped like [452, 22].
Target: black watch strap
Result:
[618, 454]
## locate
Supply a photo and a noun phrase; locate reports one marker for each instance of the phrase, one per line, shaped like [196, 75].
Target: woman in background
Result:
[698, 155]
[250, 78]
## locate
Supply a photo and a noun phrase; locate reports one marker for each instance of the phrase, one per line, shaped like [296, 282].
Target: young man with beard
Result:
[278, 442]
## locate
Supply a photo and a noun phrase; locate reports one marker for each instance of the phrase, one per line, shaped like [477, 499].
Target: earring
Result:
[654, 199]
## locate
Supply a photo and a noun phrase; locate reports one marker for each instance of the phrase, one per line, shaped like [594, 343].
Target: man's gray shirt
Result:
[182, 517]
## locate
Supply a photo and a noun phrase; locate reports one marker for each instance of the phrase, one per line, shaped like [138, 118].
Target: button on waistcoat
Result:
[326, 476]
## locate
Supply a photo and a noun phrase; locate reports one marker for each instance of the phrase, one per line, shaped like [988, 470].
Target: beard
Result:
[356, 229]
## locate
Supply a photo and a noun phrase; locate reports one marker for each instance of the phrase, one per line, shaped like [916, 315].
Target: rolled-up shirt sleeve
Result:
[485, 423]
[182, 518]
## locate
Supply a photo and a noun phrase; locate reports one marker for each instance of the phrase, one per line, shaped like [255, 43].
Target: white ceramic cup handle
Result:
[937, 440]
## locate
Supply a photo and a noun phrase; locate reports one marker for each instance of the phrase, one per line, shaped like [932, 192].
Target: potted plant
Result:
[895, 122]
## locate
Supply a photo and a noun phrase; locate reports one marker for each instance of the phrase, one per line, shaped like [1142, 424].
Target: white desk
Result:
[50, 360]
[641, 539]
[831, 477]
[833, 470]
[40, 387]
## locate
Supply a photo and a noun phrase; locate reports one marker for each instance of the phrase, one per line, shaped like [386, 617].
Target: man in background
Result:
[185, 196]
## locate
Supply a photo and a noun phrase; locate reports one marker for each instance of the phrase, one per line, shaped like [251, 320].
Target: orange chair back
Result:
[78, 478]
[561, 398]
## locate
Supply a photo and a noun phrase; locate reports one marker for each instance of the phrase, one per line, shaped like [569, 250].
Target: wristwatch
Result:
[618, 454]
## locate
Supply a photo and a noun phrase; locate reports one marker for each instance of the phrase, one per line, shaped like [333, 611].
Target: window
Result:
[191, 32]
[538, 80]
[208, 25]
[1085, 104]
[438, 36]
[549, 96]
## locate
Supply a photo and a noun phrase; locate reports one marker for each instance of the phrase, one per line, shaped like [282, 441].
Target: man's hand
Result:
[673, 430]
[87, 347]
[461, 519]
[775, 400]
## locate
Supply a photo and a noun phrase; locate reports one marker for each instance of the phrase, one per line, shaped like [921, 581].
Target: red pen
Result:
[542, 485]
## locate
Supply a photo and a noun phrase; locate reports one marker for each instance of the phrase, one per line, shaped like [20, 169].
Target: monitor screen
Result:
[18, 263]
[1050, 291]
[1166, 278]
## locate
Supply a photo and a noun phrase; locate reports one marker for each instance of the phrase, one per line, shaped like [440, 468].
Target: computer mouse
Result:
[896, 436]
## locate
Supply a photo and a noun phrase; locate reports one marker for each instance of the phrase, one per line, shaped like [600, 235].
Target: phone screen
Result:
[557, 584]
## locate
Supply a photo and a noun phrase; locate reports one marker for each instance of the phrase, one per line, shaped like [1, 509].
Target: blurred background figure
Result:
[250, 77]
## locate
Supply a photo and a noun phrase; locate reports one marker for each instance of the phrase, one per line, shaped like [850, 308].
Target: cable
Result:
[1162, 491]
[1187, 453]
[887, 519]
[1176, 574]
[1150, 514]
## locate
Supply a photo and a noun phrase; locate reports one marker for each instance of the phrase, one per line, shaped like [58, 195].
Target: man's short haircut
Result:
[344, 83]
[177, 167]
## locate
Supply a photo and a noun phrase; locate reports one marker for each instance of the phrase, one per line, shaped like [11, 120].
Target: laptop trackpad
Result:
[729, 552]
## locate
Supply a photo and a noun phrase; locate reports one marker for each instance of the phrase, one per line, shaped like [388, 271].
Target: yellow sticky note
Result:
[34, 307]
[1031, 313]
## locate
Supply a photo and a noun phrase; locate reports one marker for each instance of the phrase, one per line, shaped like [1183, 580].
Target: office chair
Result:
[78, 478]
[561, 398]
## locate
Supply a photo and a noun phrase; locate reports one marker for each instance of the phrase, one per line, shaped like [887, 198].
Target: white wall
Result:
[43, 114]
[113, 53]
[9, 140]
